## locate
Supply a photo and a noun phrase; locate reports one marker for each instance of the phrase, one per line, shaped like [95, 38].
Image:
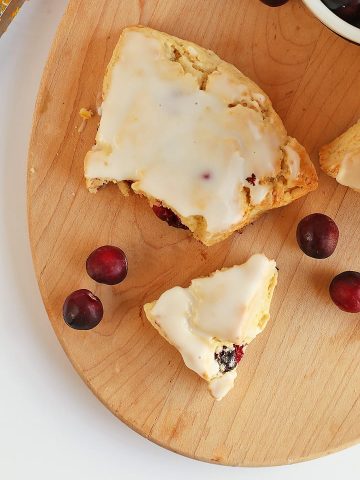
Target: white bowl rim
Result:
[328, 18]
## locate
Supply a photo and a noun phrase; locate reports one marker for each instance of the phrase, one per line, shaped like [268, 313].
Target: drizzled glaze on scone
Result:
[189, 132]
[212, 321]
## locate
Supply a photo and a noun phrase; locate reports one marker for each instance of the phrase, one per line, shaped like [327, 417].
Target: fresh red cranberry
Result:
[82, 310]
[107, 265]
[274, 3]
[168, 216]
[345, 291]
[317, 235]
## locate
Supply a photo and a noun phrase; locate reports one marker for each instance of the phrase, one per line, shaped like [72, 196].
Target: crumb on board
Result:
[85, 114]
[32, 170]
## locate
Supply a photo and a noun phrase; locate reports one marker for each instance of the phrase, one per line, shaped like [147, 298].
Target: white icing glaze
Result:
[172, 314]
[293, 161]
[182, 145]
[220, 386]
[349, 171]
[229, 307]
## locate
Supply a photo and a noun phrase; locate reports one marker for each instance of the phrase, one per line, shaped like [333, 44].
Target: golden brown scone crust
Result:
[332, 154]
[285, 188]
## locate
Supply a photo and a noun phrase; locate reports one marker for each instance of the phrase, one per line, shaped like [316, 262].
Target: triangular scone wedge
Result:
[191, 132]
[212, 321]
[341, 158]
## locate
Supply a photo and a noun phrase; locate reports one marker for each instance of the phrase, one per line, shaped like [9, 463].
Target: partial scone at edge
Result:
[295, 174]
[340, 159]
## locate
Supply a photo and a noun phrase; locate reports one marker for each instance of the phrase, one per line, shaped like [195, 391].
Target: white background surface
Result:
[51, 426]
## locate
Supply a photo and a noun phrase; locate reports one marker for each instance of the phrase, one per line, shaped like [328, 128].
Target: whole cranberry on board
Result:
[274, 3]
[82, 310]
[107, 264]
[345, 291]
[317, 235]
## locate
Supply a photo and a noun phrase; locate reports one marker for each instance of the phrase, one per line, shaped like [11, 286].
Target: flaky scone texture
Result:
[284, 187]
[332, 155]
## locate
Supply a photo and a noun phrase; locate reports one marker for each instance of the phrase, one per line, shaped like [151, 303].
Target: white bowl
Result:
[336, 24]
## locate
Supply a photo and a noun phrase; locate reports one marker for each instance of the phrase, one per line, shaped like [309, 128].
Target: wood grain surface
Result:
[297, 395]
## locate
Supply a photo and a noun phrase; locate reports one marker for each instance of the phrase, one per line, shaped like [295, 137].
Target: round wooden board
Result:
[297, 395]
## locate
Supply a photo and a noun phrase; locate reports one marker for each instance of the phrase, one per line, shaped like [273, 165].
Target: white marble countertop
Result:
[51, 425]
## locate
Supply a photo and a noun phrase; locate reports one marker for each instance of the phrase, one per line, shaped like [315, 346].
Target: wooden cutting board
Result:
[297, 395]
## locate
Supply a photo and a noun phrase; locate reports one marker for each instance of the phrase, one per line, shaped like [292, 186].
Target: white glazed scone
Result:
[192, 133]
[341, 158]
[212, 321]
